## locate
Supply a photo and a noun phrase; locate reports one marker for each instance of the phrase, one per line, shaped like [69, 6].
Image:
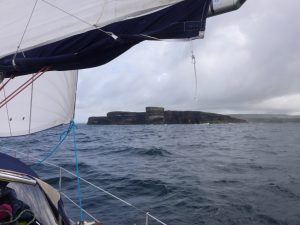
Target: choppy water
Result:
[183, 174]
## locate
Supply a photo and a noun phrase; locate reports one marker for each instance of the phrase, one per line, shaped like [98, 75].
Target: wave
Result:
[153, 151]
[286, 192]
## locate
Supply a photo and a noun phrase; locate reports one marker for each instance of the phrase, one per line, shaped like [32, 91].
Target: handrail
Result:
[21, 178]
[86, 212]
[147, 214]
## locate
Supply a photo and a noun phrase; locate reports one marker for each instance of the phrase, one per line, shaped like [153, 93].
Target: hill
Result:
[267, 118]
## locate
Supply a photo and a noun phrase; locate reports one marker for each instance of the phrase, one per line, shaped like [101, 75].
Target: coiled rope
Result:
[19, 216]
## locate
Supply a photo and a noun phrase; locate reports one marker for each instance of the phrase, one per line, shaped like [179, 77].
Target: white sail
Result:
[52, 20]
[49, 102]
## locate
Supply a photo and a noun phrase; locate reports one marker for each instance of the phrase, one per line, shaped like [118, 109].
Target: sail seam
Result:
[7, 113]
[31, 99]
[102, 11]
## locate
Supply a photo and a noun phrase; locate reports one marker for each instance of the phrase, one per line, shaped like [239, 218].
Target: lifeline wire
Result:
[93, 185]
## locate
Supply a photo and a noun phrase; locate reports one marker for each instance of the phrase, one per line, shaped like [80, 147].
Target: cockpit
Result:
[23, 201]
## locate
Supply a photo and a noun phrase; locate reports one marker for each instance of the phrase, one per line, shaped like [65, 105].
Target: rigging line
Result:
[7, 113]
[81, 20]
[25, 30]
[23, 86]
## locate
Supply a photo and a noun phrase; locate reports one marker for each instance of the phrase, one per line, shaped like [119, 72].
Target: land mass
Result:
[268, 118]
[157, 115]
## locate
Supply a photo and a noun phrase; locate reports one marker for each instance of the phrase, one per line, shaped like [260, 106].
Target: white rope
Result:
[195, 70]
[81, 20]
[19, 216]
[24, 32]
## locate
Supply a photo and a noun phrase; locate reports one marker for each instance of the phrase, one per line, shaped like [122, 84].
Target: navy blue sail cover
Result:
[94, 48]
[10, 163]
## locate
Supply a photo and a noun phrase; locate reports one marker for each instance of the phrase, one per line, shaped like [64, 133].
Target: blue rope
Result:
[77, 174]
[62, 139]
[72, 128]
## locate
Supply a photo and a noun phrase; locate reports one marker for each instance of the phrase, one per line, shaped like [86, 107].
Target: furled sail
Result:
[68, 35]
[47, 102]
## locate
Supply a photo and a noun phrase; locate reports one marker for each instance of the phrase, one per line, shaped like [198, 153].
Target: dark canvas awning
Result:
[10, 163]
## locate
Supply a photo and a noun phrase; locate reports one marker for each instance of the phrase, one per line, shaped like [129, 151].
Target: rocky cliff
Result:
[157, 115]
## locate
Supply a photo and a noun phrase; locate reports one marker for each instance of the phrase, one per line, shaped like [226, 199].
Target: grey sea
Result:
[182, 174]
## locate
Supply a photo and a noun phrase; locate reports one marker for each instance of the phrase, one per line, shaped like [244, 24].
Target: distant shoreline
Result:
[268, 118]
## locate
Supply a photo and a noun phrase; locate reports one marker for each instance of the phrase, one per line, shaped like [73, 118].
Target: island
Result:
[158, 115]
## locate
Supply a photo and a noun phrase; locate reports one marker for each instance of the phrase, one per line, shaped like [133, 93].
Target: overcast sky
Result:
[248, 62]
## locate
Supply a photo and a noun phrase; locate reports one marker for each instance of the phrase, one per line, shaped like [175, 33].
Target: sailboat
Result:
[43, 44]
